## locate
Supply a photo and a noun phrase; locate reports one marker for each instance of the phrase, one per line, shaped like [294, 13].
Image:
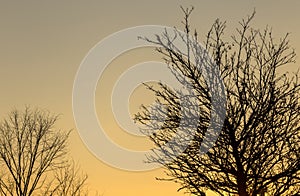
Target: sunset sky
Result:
[42, 44]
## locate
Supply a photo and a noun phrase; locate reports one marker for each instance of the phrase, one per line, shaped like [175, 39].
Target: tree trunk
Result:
[242, 187]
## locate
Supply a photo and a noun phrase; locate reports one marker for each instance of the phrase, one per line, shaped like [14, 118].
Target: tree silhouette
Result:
[33, 157]
[257, 150]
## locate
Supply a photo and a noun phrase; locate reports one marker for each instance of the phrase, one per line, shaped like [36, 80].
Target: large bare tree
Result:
[33, 157]
[257, 150]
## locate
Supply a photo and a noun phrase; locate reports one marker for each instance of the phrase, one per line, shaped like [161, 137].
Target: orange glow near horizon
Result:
[44, 42]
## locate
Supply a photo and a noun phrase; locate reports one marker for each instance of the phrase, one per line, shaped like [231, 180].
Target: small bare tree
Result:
[257, 150]
[68, 181]
[33, 156]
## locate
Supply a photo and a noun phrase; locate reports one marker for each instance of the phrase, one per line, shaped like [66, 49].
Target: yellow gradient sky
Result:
[42, 44]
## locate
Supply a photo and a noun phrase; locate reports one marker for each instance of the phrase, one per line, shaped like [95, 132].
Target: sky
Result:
[43, 43]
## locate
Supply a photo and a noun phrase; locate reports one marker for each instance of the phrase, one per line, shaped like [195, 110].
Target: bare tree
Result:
[33, 156]
[69, 181]
[257, 150]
